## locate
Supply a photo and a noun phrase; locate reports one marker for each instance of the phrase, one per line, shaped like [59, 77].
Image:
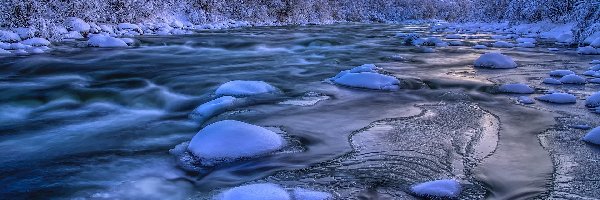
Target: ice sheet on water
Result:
[525, 100]
[503, 44]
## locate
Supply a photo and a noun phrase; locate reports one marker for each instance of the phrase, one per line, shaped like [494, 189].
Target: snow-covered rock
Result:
[593, 100]
[213, 107]
[560, 98]
[448, 188]
[595, 80]
[503, 44]
[561, 72]
[552, 81]
[128, 41]
[595, 62]
[425, 50]
[9, 36]
[25, 33]
[526, 40]
[245, 88]
[35, 50]
[36, 42]
[589, 73]
[553, 49]
[596, 43]
[588, 50]
[105, 42]
[480, 46]
[130, 27]
[261, 191]
[76, 24]
[526, 45]
[16, 46]
[495, 61]
[73, 35]
[525, 100]
[369, 80]
[517, 88]
[4, 52]
[230, 139]
[572, 79]
[304, 194]
[595, 67]
[455, 43]
[453, 36]
[593, 136]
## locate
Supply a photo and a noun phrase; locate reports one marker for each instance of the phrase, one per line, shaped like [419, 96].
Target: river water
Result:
[96, 123]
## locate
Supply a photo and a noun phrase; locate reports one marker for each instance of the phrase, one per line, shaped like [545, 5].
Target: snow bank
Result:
[369, 80]
[495, 61]
[304, 194]
[516, 88]
[105, 42]
[593, 100]
[503, 44]
[561, 72]
[245, 88]
[9, 36]
[560, 98]
[36, 42]
[593, 136]
[572, 79]
[230, 139]
[261, 191]
[76, 24]
[213, 107]
[438, 189]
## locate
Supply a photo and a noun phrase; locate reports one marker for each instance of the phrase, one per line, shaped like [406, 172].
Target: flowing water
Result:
[99, 123]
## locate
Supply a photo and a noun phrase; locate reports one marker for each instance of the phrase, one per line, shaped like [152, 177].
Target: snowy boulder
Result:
[589, 73]
[480, 46]
[595, 62]
[525, 100]
[130, 27]
[572, 79]
[35, 51]
[230, 139]
[73, 35]
[261, 191]
[245, 88]
[105, 42]
[8, 36]
[369, 80]
[503, 44]
[561, 72]
[526, 40]
[304, 194]
[595, 80]
[16, 46]
[588, 50]
[595, 68]
[526, 45]
[593, 100]
[516, 88]
[453, 36]
[213, 107]
[76, 24]
[36, 42]
[593, 136]
[438, 189]
[560, 98]
[495, 61]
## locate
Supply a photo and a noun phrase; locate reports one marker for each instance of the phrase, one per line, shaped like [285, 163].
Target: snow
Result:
[369, 80]
[503, 44]
[128, 41]
[25, 33]
[588, 50]
[129, 26]
[245, 88]
[76, 24]
[73, 35]
[213, 107]
[516, 88]
[480, 46]
[230, 139]
[593, 136]
[561, 72]
[495, 61]
[261, 191]
[572, 79]
[105, 42]
[16, 46]
[526, 40]
[9, 36]
[525, 100]
[304, 194]
[447, 188]
[560, 98]
[36, 42]
[593, 100]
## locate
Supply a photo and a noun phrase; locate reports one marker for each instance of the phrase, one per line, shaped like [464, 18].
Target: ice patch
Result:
[572, 79]
[447, 188]
[561, 72]
[593, 100]
[36, 42]
[261, 191]
[593, 136]
[516, 88]
[245, 88]
[213, 107]
[304, 194]
[495, 61]
[105, 42]
[560, 98]
[230, 139]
